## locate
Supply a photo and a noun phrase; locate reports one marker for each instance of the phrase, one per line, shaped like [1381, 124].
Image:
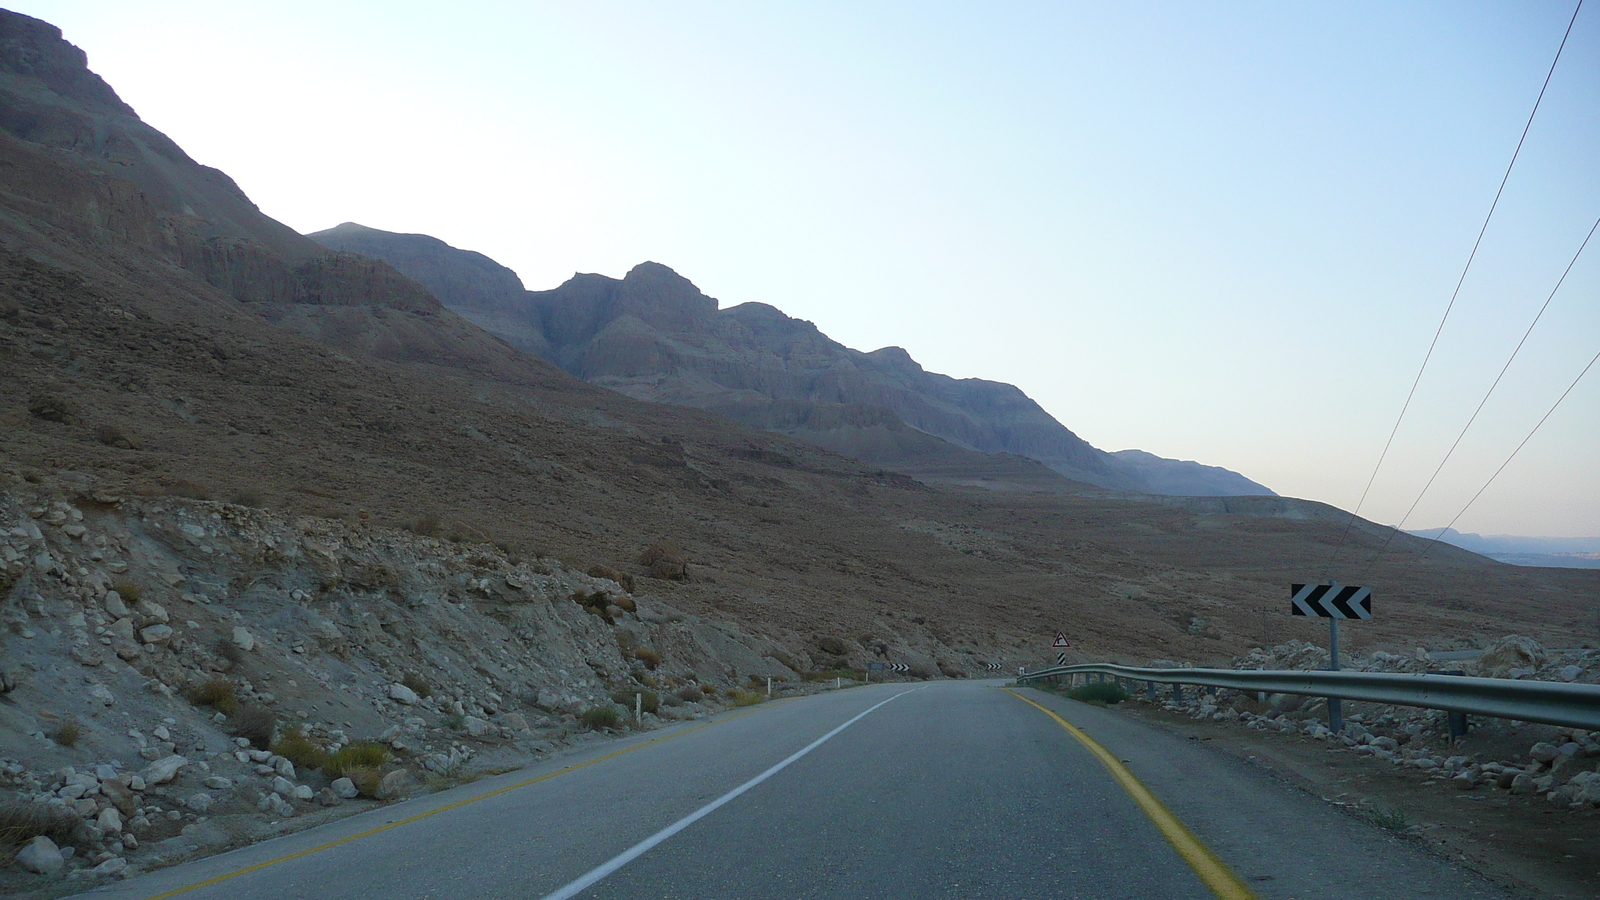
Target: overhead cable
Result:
[1332, 560]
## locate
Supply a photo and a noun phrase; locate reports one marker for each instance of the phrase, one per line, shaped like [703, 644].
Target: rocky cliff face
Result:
[653, 335]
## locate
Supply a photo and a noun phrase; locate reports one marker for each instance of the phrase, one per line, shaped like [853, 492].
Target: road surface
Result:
[949, 789]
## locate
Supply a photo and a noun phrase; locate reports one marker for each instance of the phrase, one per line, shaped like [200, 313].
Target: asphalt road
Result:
[945, 790]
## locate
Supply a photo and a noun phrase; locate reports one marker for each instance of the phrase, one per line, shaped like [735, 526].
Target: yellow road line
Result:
[433, 812]
[1212, 870]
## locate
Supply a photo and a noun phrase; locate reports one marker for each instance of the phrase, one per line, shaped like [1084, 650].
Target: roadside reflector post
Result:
[838, 682]
[638, 707]
[769, 687]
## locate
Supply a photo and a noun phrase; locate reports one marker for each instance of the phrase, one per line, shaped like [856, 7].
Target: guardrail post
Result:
[1457, 720]
[1150, 687]
[1177, 693]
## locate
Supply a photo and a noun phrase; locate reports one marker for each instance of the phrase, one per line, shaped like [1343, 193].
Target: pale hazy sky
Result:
[1222, 232]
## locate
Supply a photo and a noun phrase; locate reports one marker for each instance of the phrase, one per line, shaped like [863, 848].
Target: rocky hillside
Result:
[653, 335]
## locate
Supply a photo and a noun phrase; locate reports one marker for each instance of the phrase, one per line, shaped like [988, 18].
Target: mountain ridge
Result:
[655, 336]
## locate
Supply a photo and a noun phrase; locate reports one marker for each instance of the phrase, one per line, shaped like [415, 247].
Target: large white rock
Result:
[164, 769]
[156, 634]
[41, 856]
[243, 639]
[110, 820]
[345, 788]
[402, 694]
[114, 605]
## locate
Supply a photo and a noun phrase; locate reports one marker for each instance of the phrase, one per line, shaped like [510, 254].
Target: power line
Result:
[1454, 294]
[1518, 349]
[1513, 455]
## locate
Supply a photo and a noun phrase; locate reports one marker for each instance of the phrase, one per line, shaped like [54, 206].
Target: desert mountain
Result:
[149, 349]
[653, 335]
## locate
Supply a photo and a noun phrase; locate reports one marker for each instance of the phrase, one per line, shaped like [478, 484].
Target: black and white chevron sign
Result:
[1331, 601]
[993, 667]
[899, 667]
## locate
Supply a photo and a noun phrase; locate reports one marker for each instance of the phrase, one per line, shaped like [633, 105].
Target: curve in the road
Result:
[1207, 865]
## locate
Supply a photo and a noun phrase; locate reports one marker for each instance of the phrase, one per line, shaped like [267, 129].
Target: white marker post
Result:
[638, 708]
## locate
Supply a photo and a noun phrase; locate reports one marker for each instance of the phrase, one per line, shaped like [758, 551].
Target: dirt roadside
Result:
[1525, 843]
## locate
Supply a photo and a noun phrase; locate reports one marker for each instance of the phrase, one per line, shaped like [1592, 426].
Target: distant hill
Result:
[655, 336]
[1566, 553]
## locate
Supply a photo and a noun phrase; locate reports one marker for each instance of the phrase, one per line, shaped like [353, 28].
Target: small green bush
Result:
[455, 721]
[737, 697]
[691, 694]
[1393, 819]
[295, 746]
[345, 761]
[1100, 693]
[601, 717]
[127, 590]
[217, 693]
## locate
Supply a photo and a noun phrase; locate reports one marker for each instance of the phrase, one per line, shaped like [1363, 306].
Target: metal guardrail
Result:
[1574, 705]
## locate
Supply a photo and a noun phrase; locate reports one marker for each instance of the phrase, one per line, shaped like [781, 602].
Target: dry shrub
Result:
[426, 526]
[113, 436]
[691, 694]
[666, 560]
[601, 717]
[297, 747]
[127, 590]
[359, 756]
[417, 684]
[191, 490]
[54, 407]
[649, 657]
[621, 578]
[737, 697]
[217, 693]
[367, 779]
[67, 733]
[625, 604]
[248, 497]
[254, 724]
[649, 701]
[22, 821]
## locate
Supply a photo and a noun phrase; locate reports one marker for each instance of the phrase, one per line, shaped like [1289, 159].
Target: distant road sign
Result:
[875, 667]
[1331, 601]
[993, 667]
[899, 667]
[1061, 640]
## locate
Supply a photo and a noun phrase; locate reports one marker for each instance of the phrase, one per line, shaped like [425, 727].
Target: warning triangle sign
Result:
[1061, 640]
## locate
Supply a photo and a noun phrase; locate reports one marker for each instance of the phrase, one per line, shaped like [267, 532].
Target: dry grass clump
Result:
[417, 684]
[666, 560]
[621, 578]
[737, 697]
[691, 694]
[254, 724]
[649, 701]
[649, 657]
[190, 490]
[67, 733]
[22, 821]
[367, 779]
[601, 717]
[297, 747]
[248, 497]
[595, 603]
[127, 590]
[217, 693]
[355, 757]
[425, 526]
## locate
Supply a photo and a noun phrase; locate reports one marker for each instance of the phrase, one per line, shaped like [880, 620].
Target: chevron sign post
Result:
[1332, 602]
[899, 667]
